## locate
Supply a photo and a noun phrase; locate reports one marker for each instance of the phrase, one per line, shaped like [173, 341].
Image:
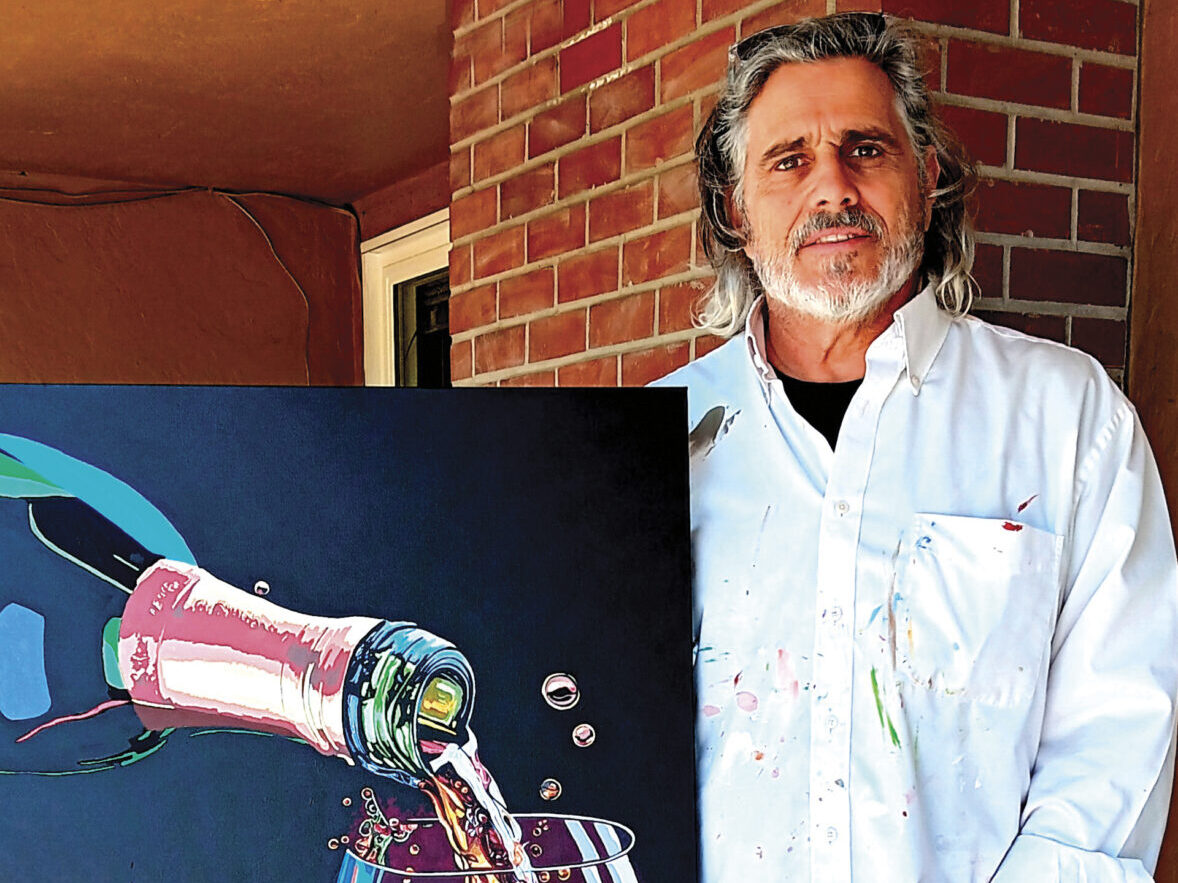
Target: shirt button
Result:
[842, 507]
[832, 834]
[836, 613]
[832, 722]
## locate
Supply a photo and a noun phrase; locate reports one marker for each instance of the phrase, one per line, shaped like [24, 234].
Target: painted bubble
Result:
[261, 587]
[560, 691]
[584, 735]
[550, 789]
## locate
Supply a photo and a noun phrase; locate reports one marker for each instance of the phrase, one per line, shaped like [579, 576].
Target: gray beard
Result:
[842, 299]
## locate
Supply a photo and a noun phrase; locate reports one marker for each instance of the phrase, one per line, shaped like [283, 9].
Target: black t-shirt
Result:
[822, 405]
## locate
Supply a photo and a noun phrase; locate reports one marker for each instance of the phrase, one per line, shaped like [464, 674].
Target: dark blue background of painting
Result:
[539, 531]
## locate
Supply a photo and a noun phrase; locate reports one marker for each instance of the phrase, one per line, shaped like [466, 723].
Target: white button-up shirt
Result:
[946, 650]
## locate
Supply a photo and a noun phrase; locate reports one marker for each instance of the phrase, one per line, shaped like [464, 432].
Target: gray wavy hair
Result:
[722, 145]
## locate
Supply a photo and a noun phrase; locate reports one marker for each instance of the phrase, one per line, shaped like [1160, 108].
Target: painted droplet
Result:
[261, 587]
[711, 710]
[1010, 525]
[414, 849]
[550, 789]
[584, 735]
[333, 843]
[746, 701]
[347, 801]
[560, 691]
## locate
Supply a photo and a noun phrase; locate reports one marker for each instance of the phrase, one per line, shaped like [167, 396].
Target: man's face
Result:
[834, 208]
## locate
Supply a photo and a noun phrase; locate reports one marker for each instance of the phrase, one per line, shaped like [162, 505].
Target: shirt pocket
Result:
[975, 606]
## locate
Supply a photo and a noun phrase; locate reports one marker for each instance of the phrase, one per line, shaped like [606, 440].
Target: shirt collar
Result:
[920, 323]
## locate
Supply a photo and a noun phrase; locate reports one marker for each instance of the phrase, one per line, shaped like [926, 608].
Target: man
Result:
[936, 592]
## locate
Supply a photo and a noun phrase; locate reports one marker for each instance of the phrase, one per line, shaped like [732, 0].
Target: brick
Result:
[710, 9]
[621, 99]
[987, 270]
[1107, 91]
[461, 360]
[677, 304]
[538, 378]
[930, 62]
[1107, 25]
[1068, 149]
[695, 66]
[545, 24]
[786, 13]
[461, 13]
[486, 49]
[576, 17]
[1047, 327]
[473, 212]
[459, 265]
[622, 320]
[557, 126]
[472, 309]
[532, 86]
[640, 368]
[656, 256]
[527, 191]
[1004, 74]
[1067, 277]
[655, 141]
[528, 293]
[594, 372]
[503, 348]
[983, 133]
[558, 233]
[587, 274]
[621, 211]
[658, 25]
[460, 168]
[603, 9]
[1024, 209]
[499, 153]
[590, 58]
[1103, 217]
[590, 167]
[498, 252]
[461, 70]
[678, 190]
[556, 336]
[705, 343]
[985, 15]
[1102, 338]
[478, 111]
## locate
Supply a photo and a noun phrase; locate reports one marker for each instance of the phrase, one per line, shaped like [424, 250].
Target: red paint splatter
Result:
[736, 680]
[746, 701]
[1023, 505]
[1010, 525]
[758, 755]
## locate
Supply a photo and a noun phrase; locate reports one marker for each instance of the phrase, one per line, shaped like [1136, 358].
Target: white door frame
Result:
[415, 249]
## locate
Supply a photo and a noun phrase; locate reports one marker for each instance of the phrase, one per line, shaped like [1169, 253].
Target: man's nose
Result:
[833, 185]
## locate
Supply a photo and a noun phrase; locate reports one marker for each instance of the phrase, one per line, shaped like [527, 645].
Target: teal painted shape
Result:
[104, 493]
[110, 653]
[24, 689]
[20, 482]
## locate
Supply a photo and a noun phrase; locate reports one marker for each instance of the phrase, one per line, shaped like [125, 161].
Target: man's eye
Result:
[866, 151]
[789, 162]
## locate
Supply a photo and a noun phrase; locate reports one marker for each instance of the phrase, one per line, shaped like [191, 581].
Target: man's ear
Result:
[735, 216]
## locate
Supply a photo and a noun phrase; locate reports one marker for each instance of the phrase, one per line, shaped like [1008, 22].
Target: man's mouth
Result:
[836, 236]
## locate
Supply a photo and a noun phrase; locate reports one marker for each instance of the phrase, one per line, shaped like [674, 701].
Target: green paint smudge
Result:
[891, 729]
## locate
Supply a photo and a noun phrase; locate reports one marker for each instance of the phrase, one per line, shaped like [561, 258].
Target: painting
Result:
[273, 634]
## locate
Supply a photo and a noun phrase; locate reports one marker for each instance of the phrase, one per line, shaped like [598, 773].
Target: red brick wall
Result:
[575, 260]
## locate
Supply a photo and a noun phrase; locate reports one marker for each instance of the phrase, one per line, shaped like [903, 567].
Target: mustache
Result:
[819, 221]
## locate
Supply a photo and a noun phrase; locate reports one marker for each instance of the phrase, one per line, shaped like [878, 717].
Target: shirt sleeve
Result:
[1100, 788]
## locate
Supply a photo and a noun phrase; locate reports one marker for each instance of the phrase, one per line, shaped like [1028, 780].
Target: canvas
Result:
[536, 540]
